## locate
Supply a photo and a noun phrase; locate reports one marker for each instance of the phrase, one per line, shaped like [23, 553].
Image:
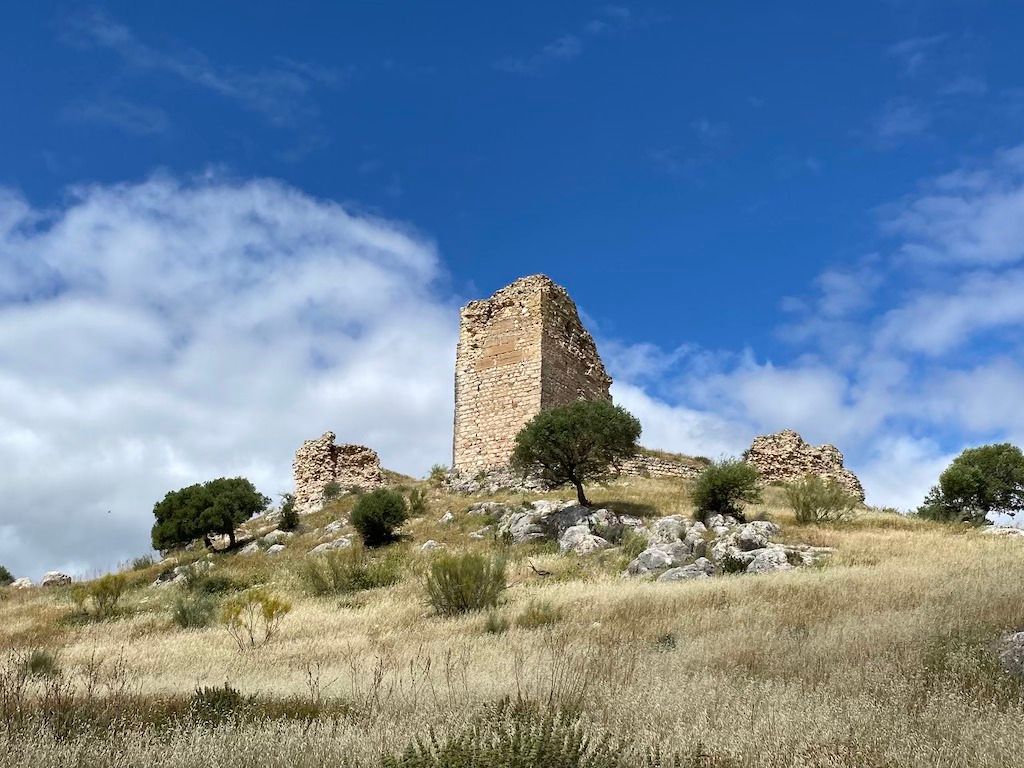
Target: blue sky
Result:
[224, 229]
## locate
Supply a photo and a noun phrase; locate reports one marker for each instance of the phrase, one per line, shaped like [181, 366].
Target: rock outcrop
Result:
[320, 462]
[54, 579]
[785, 456]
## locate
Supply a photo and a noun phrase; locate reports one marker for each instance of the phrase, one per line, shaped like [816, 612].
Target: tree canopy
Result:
[215, 507]
[980, 481]
[576, 443]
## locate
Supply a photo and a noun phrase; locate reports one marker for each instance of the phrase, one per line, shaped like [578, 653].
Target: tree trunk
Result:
[580, 495]
[231, 539]
[206, 541]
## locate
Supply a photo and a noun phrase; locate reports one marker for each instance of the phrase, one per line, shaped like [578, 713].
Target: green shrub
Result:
[202, 582]
[142, 563]
[496, 624]
[40, 662]
[193, 611]
[6, 578]
[438, 474]
[417, 502]
[538, 614]
[378, 515]
[633, 543]
[817, 500]
[214, 704]
[343, 571]
[724, 488]
[980, 481]
[98, 599]
[289, 514]
[462, 583]
[253, 617]
[332, 491]
[731, 564]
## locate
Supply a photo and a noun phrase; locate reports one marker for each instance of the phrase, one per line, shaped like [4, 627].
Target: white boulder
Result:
[54, 579]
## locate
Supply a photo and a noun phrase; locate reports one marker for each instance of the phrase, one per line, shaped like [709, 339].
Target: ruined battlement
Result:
[521, 351]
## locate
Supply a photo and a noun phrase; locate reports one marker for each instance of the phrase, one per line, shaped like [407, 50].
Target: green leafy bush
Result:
[253, 617]
[633, 543]
[496, 624]
[817, 500]
[215, 704]
[417, 502]
[202, 582]
[40, 662]
[343, 571]
[463, 583]
[378, 515]
[576, 443]
[332, 491]
[142, 563]
[438, 474]
[724, 488]
[6, 578]
[193, 611]
[98, 599]
[538, 614]
[289, 514]
[980, 481]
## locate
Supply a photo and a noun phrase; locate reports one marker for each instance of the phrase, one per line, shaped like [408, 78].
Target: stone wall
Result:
[320, 462]
[648, 465]
[520, 351]
[785, 456]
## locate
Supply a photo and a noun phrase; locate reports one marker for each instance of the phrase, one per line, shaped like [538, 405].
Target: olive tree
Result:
[980, 481]
[576, 443]
[215, 507]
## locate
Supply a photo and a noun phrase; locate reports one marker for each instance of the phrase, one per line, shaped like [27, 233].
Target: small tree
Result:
[253, 617]
[576, 443]
[980, 481]
[377, 515]
[816, 500]
[289, 514]
[217, 506]
[6, 578]
[724, 488]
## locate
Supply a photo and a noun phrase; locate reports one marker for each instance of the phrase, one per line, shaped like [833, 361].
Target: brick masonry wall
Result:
[522, 350]
[644, 465]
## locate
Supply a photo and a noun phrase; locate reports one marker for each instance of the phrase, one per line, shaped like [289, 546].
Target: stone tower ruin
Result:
[521, 351]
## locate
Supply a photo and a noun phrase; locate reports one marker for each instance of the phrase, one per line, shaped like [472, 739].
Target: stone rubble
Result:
[54, 579]
[785, 457]
[320, 462]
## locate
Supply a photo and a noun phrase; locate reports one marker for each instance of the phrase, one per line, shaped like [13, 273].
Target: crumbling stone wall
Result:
[521, 351]
[648, 465]
[320, 462]
[785, 456]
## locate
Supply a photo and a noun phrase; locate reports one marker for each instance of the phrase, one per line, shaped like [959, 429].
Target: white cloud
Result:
[163, 333]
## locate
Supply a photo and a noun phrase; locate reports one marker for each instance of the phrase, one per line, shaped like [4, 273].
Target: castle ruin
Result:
[521, 351]
[320, 462]
[785, 457]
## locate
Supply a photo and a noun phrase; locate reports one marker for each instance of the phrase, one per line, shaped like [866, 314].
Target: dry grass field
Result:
[884, 655]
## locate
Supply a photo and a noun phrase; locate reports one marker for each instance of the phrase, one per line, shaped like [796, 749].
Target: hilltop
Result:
[883, 652]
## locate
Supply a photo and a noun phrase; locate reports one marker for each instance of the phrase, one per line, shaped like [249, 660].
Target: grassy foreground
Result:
[883, 656]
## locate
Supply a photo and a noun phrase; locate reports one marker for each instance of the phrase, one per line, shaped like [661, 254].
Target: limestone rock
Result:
[275, 549]
[1011, 654]
[320, 462]
[252, 548]
[332, 528]
[343, 543]
[579, 540]
[430, 546]
[769, 560]
[447, 518]
[785, 457]
[277, 536]
[755, 535]
[54, 579]
[701, 569]
[23, 583]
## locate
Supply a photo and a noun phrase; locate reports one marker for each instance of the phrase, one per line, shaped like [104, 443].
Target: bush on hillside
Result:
[218, 506]
[576, 443]
[289, 514]
[724, 488]
[332, 491]
[438, 474]
[253, 617]
[417, 502]
[817, 500]
[98, 599]
[378, 515]
[6, 578]
[463, 583]
[193, 611]
[343, 571]
[979, 482]
[538, 614]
